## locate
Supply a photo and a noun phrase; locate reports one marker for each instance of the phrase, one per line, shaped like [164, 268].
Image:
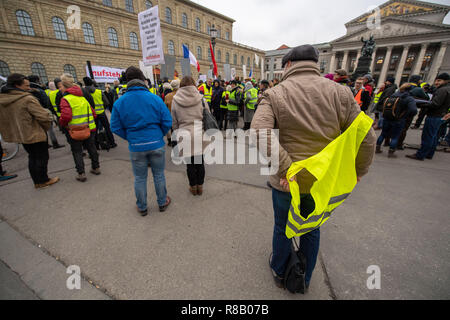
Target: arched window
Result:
[248, 61]
[4, 69]
[60, 28]
[208, 29]
[219, 56]
[88, 33]
[171, 48]
[25, 23]
[227, 35]
[70, 69]
[168, 15]
[113, 40]
[148, 4]
[129, 5]
[38, 69]
[199, 53]
[227, 57]
[134, 41]
[235, 59]
[184, 20]
[198, 25]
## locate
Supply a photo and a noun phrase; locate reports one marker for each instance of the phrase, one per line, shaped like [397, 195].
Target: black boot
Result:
[392, 153]
[378, 150]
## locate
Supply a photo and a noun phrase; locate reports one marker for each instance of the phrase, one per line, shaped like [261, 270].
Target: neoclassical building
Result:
[35, 36]
[410, 36]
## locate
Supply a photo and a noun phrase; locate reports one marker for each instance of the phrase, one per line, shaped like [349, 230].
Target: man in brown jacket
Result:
[310, 112]
[23, 120]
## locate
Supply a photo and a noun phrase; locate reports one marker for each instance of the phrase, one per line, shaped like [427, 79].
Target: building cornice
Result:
[210, 11]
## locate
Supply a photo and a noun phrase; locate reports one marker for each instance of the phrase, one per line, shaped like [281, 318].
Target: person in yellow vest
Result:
[375, 101]
[76, 111]
[250, 100]
[222, 121]
[206, 90]
[52, 96]
[233, 107]
[100, 101]
[310, 113]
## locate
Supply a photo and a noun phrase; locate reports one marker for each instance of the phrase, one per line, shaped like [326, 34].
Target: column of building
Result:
[437, 62]
[384, 69]
[401, 65]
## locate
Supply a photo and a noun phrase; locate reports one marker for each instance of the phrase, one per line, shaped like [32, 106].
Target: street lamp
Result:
[213, 32]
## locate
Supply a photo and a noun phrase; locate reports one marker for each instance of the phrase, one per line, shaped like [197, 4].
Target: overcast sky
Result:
[267, 24]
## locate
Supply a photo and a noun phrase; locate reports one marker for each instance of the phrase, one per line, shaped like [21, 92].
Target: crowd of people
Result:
[144, 114]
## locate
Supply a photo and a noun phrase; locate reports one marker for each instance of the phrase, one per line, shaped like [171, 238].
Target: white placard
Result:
[202, 77]
[151, 37]
[233, 73]
[244, 71]
[147, 71]
[105, 74]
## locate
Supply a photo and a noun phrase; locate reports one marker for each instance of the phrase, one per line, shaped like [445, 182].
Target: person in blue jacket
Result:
[143, 120]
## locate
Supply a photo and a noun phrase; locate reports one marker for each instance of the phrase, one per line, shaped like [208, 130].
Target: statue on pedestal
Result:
[368, 47]
[365, 60]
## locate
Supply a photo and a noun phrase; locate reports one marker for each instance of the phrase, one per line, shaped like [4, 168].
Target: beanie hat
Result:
[443, 76]
[175, 84]
[87, 81]
[304, 52]
[390, 79]
[415, 78]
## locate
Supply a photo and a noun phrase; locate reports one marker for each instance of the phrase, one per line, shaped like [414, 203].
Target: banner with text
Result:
[151, 37]
[105, 74]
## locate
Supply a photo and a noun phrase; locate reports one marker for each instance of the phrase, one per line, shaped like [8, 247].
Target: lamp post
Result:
[213, 32]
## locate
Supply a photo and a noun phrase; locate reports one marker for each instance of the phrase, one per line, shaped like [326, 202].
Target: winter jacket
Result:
[388, 91]
[406, 98]
[141, 118]
[187, 107]
[310, 112]
[22, 118]
[418, 92]
[216, 97]
[440, 104]
[86, 95]
[365, 98]
[40, 94]
[66, 110]
[169, 98]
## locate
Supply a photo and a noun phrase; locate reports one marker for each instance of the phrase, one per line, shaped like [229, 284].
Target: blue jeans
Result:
[430, 137]
[392, 129]
[281, 245]
[140, 162]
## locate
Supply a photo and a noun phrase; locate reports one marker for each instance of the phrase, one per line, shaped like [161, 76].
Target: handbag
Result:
[209, 122]
[80, 132]
[294, 278]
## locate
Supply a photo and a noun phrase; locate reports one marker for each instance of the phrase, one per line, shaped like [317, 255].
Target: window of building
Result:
[199, 53]
[171, 48]
[60, 28]
[209, 54]
[352, 64]
[208, 29]
[107, 3]
[25, 23]
[426, 65]
[134, 41]
[242, 60]
[129, 5]
[88, 33]
[227, 58]
[410, 61]
[379, 63]
[148, 4]
[168, 15]
[38, 69]
[4, 69]
[198, 25]
[394, 62]
[113, 39]
[248, 61]
[219, 56]
[227, 35]
[219, 32]
[322, 66]
[184, 20]
[235, 59]
[70, 69]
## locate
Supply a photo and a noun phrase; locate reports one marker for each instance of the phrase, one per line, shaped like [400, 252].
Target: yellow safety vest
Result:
[232, 103]
[335, 171]
[207, 94]
[98, 101]
[377, 97]
[152, 90]
[224, 95]
[80, 108]
[47, 92]
[52, 97]
[251, 103]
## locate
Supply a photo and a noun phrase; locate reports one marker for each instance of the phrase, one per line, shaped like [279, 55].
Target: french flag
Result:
[189, 55]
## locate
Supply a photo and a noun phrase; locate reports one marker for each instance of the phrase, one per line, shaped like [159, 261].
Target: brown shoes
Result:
[81, 177]
[193, 190]
[96, 171]
[47, 184]
[199, 190]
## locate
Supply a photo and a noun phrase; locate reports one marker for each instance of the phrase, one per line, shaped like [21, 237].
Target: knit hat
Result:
[415, 78]
[175, 84]
[341, 72]
[390, 79]
[304, 52]
[443, 76]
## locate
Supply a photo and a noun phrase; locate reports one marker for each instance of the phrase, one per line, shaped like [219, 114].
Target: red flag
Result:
[213, 59]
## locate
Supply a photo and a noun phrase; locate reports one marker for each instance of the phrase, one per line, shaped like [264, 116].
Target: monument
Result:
[366, 58]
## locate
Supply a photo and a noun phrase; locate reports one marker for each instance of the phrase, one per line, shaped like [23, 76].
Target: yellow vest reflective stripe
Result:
[232, 105]
[80, 108]
[251, 103]
[207, 94]
[98, 101]
[152, 90]
[47, 92]
[52, 97]
[224, 95]
[334, 169]
[377, 97]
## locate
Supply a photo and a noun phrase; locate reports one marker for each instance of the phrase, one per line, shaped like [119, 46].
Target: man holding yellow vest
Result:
[326, 144]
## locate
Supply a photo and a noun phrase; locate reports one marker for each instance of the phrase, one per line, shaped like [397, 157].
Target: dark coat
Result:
[440, 104]
[42, 97]
[388, 91]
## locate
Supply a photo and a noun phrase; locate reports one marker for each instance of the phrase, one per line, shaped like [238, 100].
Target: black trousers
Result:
[422, 114]
[196, 172]
[102, 122]
[408, 123]
[38, 161]
[77, 152]
[222, 120]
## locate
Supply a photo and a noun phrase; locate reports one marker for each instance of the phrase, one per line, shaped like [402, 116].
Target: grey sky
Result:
[267, 24]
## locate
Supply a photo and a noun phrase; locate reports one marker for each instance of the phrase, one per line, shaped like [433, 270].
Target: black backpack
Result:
[102, 140]
[394, 108]
[294, 276]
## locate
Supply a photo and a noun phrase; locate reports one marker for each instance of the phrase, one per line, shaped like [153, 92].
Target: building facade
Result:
[36, 36]
[410, 36]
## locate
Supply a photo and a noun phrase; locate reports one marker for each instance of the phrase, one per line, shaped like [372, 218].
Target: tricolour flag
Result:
[189, 55]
